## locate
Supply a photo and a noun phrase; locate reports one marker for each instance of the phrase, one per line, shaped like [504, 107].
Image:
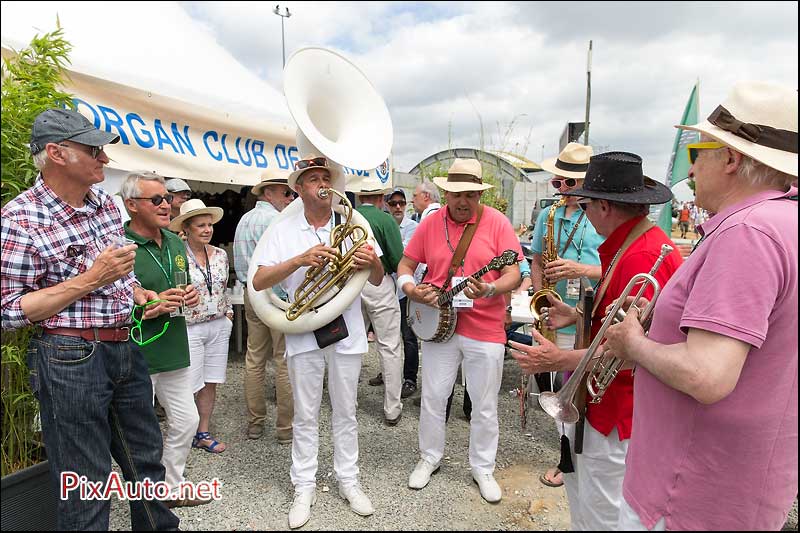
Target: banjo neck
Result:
[447, 296]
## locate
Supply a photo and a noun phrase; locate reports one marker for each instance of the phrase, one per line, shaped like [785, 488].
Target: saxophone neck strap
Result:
[572, 234]
[463, 244]
[638, 230]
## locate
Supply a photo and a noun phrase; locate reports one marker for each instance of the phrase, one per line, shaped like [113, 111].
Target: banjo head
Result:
[423, 319]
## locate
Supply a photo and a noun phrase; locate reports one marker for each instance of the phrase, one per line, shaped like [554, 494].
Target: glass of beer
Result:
[181, 281]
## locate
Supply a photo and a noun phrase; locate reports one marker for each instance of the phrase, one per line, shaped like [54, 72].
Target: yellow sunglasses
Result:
[694, 149]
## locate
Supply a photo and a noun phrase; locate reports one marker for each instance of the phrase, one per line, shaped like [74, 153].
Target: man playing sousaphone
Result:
[615, 197]
[294, 244]
[479, 335]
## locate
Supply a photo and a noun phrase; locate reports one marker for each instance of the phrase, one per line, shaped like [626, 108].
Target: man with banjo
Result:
[456, 242]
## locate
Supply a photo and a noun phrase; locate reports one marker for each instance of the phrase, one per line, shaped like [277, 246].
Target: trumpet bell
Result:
[557, 407]
[337, 108]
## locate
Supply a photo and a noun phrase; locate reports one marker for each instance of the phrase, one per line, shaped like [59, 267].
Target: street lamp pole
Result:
[277, 11]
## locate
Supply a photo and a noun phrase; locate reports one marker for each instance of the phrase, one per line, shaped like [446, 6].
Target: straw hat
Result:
[336, 171]
[572, 162]
[618, 177]
[271, 176]
[463, 175]
[758, 119]
[192, 208]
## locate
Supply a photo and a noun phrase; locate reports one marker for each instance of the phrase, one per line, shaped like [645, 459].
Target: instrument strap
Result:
[572, 234]
[638, 230]
[463, 244]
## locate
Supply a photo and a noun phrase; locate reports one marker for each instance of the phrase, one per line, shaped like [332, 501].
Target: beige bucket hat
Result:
[272, 176]
[463, 175]
[758, 119]
[572, 162]
[192, 208]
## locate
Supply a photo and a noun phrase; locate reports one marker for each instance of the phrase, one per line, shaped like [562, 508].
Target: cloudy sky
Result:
[517, 68]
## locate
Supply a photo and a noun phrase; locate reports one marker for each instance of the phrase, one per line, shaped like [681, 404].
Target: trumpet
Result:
[562, 405]
[323, 282]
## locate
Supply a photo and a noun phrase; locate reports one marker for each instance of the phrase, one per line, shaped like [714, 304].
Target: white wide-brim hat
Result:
[272, 176]
[572, 162]
[758, 119]
[463, 175]
[336, 171]
[192, 208]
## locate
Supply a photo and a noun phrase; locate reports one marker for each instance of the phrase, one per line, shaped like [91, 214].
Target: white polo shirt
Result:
[291, 237]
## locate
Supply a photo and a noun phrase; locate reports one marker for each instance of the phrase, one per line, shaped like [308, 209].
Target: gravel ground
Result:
[257, 492]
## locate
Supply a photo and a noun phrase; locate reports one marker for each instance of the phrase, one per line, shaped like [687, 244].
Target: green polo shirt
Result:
[154, 267]
[387, 234]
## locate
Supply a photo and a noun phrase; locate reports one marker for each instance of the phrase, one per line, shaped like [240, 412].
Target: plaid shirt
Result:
[248, 232]
[45, 242]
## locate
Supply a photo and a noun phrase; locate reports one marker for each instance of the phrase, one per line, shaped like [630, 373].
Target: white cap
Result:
[177, 185]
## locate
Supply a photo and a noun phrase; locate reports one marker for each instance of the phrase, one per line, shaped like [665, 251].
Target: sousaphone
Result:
[339, 114]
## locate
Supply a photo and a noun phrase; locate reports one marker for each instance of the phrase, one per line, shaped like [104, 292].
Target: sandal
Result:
[547, 480]
[205, 435]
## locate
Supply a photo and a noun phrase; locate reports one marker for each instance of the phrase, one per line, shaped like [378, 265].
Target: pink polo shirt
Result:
[731, 465]
[494, 235]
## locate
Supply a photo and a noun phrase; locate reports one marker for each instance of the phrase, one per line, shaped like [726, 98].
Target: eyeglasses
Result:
[395, 203]
[694, 149]
[569, 182]
[290, 194]
[315, 162]
[583, 202]
[157, 199]
[136, 330]
[94, 151]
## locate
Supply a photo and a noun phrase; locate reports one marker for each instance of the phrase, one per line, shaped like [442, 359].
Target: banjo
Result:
[437, 324]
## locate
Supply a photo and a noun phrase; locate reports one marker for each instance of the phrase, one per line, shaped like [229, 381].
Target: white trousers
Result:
[382, 308]
[483, 367]
[306, 371]
[174, 392]
[630, 521]
[594, 490]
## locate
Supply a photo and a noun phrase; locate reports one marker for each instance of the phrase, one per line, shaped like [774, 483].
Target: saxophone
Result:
[549, 253]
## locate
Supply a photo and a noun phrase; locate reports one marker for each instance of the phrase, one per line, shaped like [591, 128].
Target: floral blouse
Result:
[216, 304]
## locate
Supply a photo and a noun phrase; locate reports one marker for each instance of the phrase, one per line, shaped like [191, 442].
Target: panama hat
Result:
[368, 185]
[463, 175]
[192, 208]
[758, 119]
[618, 177]
[272, 176]
[572, 162]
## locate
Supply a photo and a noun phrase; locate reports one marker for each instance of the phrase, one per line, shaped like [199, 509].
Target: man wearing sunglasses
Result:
[181, 192]
[263, 343]
[714, 444]
[297, 243]
[64, 270]
[615, 197]
[160, 259]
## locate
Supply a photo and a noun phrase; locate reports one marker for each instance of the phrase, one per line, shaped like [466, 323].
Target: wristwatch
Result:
[508, 309]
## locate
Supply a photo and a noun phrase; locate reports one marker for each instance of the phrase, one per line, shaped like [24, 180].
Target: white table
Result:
[521, 308]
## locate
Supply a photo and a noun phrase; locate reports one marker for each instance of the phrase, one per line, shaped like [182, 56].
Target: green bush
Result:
[30, 86]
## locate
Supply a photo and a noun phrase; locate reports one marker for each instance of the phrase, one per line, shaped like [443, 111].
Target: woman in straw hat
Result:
[714, 443]
[209, 323]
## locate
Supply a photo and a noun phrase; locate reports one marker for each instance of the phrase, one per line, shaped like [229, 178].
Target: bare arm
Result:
[419, 293]
[545, 356]
[536, 271]
[706, 367]
[111, 265]
[267, 276]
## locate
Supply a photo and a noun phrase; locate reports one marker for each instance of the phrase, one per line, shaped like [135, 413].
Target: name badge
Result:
[460, 300]
[573, 288]
[211, 308]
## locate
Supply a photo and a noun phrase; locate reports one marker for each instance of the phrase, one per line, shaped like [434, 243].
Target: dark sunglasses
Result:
[315, 162]
[94, 151]
[583, 202]
[569, 182]
[290, 194]
[395, 203]
[138, 316]
[157, 199]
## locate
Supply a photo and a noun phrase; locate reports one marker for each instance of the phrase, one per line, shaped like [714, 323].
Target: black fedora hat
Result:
[618, 177]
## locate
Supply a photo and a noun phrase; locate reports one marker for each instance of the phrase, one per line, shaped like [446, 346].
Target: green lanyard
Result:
[169, 259]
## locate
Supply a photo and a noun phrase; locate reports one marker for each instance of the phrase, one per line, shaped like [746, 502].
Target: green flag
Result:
[678, 169]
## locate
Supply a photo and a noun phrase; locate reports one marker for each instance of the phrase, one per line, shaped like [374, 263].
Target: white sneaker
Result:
[490, 490]
[359, 502]
[300, 512]
[421, 474]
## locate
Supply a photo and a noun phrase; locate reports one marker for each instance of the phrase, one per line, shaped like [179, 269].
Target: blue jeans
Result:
[97, 402]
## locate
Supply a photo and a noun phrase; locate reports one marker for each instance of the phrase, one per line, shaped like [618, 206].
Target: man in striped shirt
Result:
[65, 268]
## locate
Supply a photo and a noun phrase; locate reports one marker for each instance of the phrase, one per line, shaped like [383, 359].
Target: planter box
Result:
[29, 500]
